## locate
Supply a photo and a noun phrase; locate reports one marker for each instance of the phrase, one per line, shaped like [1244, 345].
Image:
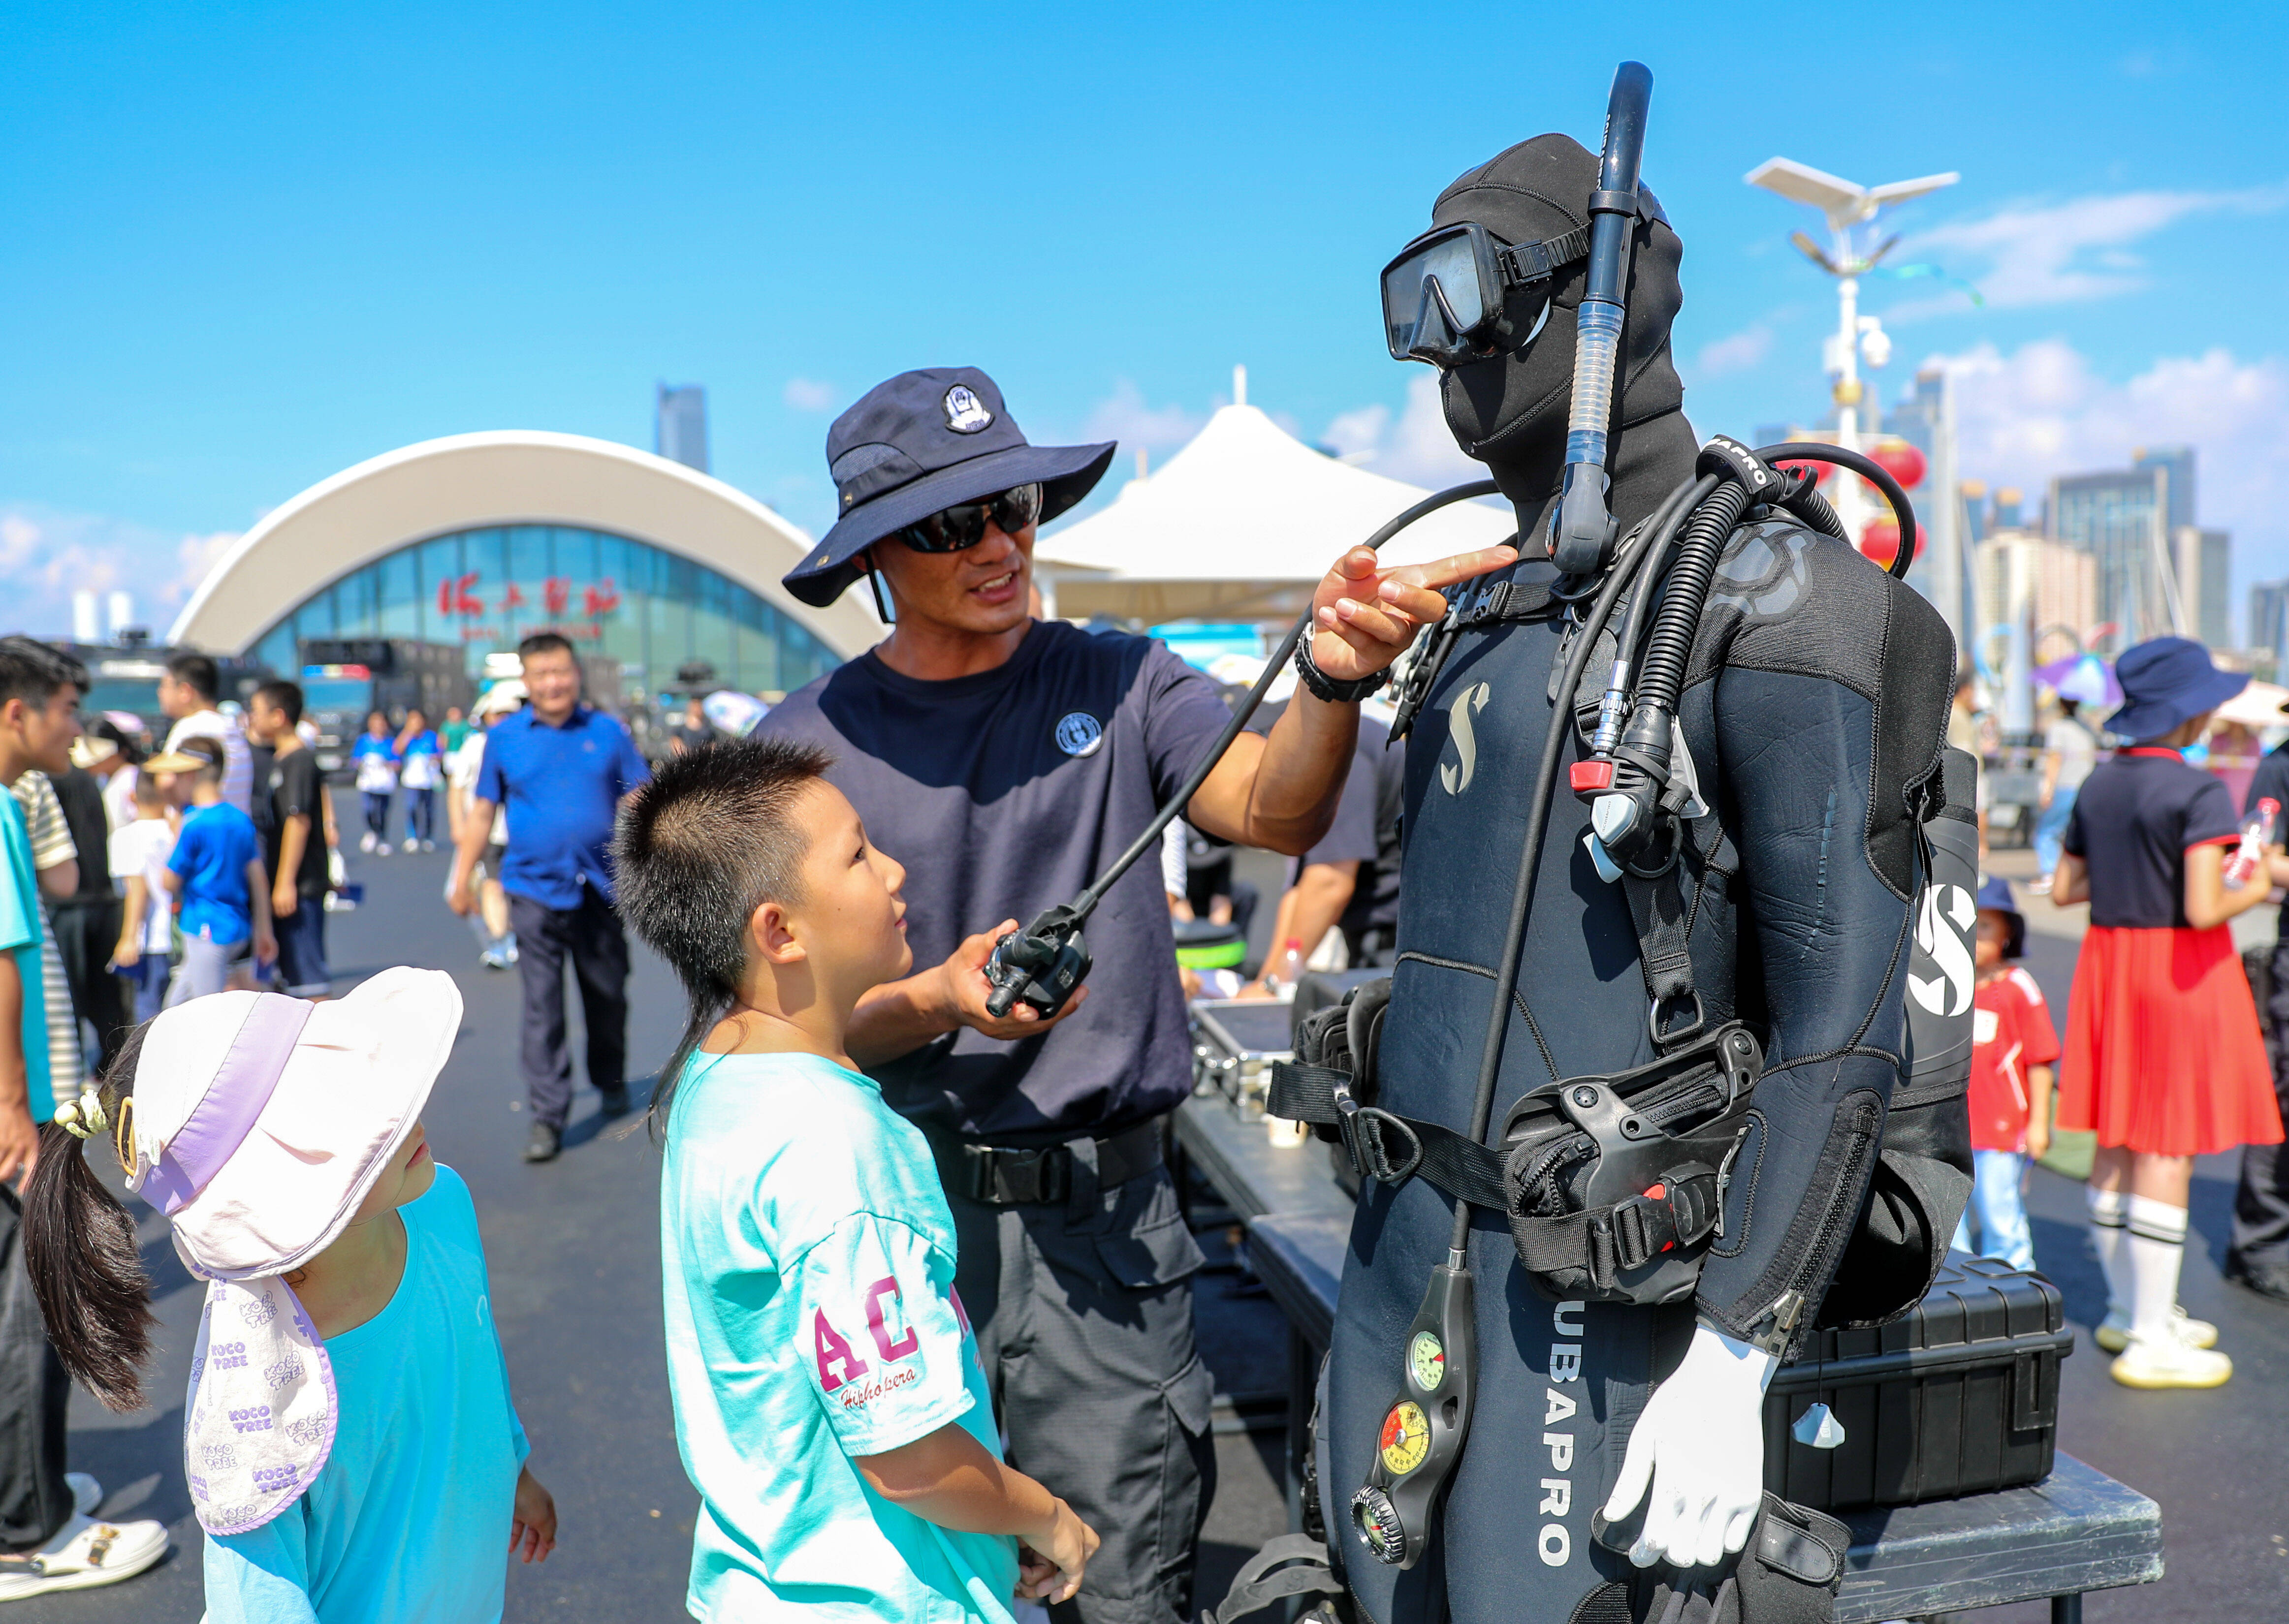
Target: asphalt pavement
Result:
[575, 1262]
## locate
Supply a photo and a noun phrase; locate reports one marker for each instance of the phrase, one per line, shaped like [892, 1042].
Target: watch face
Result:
[1426, 1362]
[1405, 1438]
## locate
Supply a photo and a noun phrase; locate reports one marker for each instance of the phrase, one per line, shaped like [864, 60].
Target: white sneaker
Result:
[2170, 1363]
[428, 846]
[2113, 1332]
[84, 1554]
[382, 850]
[365, 841]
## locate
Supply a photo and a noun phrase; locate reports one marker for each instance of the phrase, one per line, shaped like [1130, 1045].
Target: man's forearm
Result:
[476, 829]
[898, 1017]
[15, 1089]
[1321, 892]
[1281, 794]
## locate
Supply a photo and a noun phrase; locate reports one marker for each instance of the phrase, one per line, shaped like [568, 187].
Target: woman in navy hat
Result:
[2164, 1056]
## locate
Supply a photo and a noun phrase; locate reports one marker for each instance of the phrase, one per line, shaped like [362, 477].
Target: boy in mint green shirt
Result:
[830, 1405]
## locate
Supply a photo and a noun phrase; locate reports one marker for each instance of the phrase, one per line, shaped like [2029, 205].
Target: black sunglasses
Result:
[951, 529]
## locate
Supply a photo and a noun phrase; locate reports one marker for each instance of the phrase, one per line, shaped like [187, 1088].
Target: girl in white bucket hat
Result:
[349, 1441]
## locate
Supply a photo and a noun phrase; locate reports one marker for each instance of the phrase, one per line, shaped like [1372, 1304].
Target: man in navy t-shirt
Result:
[1004, 760]
[561, 768]
[2258, 1255]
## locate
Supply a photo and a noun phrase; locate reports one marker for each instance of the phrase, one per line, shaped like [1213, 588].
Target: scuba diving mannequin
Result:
[1612, 1411]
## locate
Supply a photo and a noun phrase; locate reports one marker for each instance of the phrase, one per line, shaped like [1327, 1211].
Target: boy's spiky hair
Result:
[710, 839]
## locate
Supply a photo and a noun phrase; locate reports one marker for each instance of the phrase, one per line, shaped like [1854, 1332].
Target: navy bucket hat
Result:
[923, 441]
[1994, 898]
[2165, 683]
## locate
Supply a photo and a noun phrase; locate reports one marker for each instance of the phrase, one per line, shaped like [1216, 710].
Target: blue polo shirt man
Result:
[560, 769]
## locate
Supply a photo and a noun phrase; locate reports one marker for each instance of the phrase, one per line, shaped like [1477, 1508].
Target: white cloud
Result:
[47, 555]
[2041, 410]
[809, 395]
[1124, 416]
[2066, 252]
[1417, 447]
[1735, 353]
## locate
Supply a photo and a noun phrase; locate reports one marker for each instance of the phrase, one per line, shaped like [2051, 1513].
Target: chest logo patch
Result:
[965, 413]
[1080, 734]
[1944, 924]
[1472, 699]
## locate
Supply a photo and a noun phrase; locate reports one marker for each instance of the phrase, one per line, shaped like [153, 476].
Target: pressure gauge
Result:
[1405, 1438]
[1426, 1361]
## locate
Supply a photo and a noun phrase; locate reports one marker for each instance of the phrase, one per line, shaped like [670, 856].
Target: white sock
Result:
[2108, 1213]
[2157, 1247]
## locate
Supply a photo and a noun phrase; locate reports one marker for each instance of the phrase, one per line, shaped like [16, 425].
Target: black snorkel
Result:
[1582, 527]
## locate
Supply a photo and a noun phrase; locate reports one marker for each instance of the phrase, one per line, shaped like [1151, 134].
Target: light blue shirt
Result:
[811, 1319]
[409, 1519]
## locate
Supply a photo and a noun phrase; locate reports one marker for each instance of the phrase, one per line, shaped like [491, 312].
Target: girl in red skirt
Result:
[2165, 1060]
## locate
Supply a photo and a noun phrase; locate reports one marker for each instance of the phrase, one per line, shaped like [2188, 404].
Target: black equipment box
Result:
[1960, 1396]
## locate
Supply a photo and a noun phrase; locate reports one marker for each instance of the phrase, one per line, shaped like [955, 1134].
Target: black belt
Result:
[1003, 1176]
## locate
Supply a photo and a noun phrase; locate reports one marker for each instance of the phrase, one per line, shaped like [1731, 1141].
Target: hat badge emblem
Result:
[965, 413]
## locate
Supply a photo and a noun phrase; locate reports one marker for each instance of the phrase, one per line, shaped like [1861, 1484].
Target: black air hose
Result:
[1661, 678]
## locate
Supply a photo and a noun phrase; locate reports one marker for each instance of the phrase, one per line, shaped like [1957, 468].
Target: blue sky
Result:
[247, 246]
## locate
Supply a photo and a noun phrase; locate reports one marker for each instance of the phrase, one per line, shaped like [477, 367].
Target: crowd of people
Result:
[928, 1316]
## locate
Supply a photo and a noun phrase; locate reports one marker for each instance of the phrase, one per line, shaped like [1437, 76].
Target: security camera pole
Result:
[1846, 206]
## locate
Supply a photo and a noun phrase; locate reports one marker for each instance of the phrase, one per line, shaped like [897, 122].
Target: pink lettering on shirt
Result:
[888, 1287]
[837, 1364]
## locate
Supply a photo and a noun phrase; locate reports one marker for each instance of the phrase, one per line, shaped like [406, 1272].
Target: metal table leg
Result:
[2066, 1608]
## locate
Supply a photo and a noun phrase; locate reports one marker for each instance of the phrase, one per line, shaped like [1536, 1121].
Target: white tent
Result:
[1241, 525]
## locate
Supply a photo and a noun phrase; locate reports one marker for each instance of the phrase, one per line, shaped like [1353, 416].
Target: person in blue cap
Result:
[2164, 1058]
[2015, 1053]
[1004, 760]
[2258, 1256]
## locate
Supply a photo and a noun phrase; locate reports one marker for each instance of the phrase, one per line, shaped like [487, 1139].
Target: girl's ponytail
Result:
[81, 1251]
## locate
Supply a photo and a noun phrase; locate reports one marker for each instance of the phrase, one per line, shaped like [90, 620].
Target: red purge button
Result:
[1591, 775]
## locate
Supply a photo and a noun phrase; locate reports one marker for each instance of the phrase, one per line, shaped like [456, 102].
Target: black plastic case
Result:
[1959, 1397]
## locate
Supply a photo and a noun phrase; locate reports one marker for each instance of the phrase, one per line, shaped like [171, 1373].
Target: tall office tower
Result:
[2122, 519]
[2269, 620]
[681, 435]
[2206, 575]
[2178, 462]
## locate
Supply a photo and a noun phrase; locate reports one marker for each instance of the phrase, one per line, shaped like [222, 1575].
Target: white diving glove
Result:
[1700, 1449]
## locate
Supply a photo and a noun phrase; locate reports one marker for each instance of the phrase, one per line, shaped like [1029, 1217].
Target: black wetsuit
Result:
[1813, 710]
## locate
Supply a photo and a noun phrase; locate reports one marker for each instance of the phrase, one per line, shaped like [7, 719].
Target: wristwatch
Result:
[1324, 687]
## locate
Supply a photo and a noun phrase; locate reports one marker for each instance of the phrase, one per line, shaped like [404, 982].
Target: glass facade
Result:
[648, 608]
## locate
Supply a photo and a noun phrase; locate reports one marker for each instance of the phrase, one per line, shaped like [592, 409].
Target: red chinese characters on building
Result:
[601, 599]
[556, 593]
[457, 596]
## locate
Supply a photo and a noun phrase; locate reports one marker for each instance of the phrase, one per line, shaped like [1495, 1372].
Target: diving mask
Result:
[1447, 297]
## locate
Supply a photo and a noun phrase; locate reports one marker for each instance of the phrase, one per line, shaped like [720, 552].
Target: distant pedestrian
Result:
[831, 1404]
[2070, 750]
[293, 793]
[189, 691]
[489, 904]
[2258, 1255]
[112, 751]
[2014, 1052]
[144, 957]
[690, 731]
[560, 769]
[217, 869]
[350, 1443]
[48, 1542]
[375, 755]
[2164, 1058]
[86, 920]
[420, 770]
[453, 729]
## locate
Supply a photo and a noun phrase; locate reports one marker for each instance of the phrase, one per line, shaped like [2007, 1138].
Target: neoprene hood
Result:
[1510, 411]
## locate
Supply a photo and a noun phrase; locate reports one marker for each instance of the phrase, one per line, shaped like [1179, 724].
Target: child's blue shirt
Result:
[211, 855]
[811, 1319]
[409, 1519]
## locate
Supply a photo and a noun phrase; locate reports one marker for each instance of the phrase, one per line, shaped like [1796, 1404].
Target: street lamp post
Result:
[1846, 206]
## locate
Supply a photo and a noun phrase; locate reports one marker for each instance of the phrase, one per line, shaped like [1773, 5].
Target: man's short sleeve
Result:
[880, 1334]
[43, 821]
[1184, 713]
[491, 785]
[20, 903]
[2270, 782]
[297, 787]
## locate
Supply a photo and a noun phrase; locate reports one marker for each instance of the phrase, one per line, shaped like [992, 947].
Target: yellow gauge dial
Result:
[1405, 1438]
[1426, 1361]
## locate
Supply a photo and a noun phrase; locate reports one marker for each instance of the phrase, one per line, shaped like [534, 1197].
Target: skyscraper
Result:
[2121, 519]
[2268, 620]
[2178, 462]
[681, 434]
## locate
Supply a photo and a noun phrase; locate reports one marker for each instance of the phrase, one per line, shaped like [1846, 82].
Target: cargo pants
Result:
[1083, 1312]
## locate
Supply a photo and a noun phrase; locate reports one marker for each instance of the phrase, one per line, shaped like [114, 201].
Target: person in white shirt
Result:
[187, 691]
[2070, 750]
[138, 853]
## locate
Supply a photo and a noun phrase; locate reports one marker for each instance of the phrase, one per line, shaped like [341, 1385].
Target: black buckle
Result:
[1664, 1036]
[1004, 1176]
[1362, 1128]
[1646, 1226]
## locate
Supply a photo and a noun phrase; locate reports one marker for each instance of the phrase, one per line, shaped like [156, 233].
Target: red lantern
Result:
[1901, 460]
[1879, 540]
